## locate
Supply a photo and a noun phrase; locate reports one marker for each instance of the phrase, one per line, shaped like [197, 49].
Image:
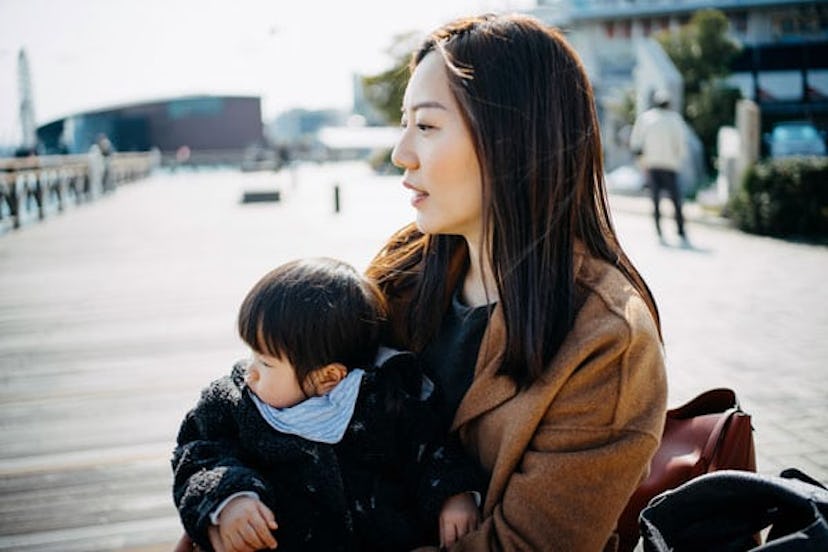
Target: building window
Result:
[739, 22]
[624, 28]
[609, 29]
[194, 107]
[822, 18]
[802, 22]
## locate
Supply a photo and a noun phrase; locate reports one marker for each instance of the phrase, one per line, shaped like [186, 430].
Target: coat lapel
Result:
[488, 389]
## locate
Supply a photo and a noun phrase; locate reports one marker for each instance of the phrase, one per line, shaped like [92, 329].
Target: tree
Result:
[702, 53]
[385, 90]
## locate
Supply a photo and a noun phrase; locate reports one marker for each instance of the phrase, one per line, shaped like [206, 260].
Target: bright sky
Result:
[88, 54]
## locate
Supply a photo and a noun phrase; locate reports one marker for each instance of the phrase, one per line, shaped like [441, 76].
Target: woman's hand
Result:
[245, 525]
[458, 517]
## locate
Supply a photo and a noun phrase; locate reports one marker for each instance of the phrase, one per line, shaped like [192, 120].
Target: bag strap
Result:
[716, 438]
[721, 401]
[712, 401]
[795, 473]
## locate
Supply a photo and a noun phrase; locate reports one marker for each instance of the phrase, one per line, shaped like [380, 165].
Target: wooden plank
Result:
[114, 315]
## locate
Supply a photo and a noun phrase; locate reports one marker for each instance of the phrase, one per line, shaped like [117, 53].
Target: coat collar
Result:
[489, 389]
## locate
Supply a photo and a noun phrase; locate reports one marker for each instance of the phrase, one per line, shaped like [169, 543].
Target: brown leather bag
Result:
[709, 433]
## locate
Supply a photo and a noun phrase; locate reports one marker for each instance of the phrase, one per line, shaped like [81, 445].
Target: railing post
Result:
[39, 193]
[48, 181]
[14, 204]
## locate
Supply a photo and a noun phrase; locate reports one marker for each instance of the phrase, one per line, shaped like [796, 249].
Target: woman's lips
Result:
[418, 195]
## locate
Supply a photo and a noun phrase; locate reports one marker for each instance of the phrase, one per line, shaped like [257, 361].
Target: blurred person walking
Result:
[106, 150]
[659, 139]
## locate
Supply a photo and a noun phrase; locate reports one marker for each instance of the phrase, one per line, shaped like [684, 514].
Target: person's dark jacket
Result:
[380, 488]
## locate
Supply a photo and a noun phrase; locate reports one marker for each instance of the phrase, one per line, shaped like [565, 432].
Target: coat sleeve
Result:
[206, 463]
[582, 459]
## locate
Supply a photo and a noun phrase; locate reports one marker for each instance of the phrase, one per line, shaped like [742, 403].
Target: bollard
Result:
[336, 198]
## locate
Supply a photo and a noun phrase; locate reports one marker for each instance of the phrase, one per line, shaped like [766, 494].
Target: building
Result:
[783, 65]
[228, 124]
[788, 79]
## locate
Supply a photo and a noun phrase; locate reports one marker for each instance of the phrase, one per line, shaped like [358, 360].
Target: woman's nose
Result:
[402, 156]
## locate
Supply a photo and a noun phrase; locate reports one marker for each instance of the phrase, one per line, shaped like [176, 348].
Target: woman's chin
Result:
[423, 225]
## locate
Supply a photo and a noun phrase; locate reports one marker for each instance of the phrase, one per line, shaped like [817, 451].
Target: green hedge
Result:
[784, 198]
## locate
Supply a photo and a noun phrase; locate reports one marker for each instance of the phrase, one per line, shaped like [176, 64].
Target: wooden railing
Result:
[38, 182]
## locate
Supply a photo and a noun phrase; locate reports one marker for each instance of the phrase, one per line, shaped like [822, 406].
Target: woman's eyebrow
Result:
[426, 104]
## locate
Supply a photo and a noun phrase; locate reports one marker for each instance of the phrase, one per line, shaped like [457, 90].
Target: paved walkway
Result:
[114, 314]
[745, 312]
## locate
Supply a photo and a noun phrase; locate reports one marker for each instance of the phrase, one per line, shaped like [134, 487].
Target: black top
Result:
[449, 360]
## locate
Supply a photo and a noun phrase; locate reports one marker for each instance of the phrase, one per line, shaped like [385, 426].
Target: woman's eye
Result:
[422, 127]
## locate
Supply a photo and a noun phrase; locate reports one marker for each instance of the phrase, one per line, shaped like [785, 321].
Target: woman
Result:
[541, 335]
[533, 322]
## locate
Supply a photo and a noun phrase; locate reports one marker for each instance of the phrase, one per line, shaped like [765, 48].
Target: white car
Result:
[795, 138]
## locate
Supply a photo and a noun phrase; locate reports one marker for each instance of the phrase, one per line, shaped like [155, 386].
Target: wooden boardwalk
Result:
[114, 314]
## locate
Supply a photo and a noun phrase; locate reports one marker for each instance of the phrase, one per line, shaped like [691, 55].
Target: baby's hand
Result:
[458, 517]
[245, 525]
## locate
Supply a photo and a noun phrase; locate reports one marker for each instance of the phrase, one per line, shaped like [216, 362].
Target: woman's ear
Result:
[327, 377]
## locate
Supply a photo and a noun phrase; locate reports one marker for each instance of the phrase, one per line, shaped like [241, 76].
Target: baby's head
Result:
[308, 321]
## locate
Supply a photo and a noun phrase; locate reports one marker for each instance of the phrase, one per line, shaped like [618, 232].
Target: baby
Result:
[323, 430]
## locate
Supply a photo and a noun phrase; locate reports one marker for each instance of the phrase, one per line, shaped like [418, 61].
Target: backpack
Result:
[727, 511]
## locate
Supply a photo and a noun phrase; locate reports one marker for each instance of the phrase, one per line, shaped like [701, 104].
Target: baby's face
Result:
[274, 381]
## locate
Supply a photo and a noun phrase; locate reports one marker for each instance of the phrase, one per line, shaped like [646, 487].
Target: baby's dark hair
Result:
[314, 312]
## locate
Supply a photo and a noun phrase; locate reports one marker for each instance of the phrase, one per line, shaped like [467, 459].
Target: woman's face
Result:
[437, 153]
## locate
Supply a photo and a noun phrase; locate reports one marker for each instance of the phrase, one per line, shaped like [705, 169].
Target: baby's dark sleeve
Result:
[207, 460]
[435, 464]
[447, 470]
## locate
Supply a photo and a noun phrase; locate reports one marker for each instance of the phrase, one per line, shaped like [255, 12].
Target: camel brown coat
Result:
[566, 454]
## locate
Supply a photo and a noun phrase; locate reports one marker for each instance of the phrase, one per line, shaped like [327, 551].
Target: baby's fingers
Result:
[448, 534]
[259, 536]
[266, 524]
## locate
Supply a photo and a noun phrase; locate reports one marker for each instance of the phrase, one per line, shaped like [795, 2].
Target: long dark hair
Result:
[529, 107]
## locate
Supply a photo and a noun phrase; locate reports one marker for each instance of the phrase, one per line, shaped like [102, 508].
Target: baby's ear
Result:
[252, 374]
[327, 377]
